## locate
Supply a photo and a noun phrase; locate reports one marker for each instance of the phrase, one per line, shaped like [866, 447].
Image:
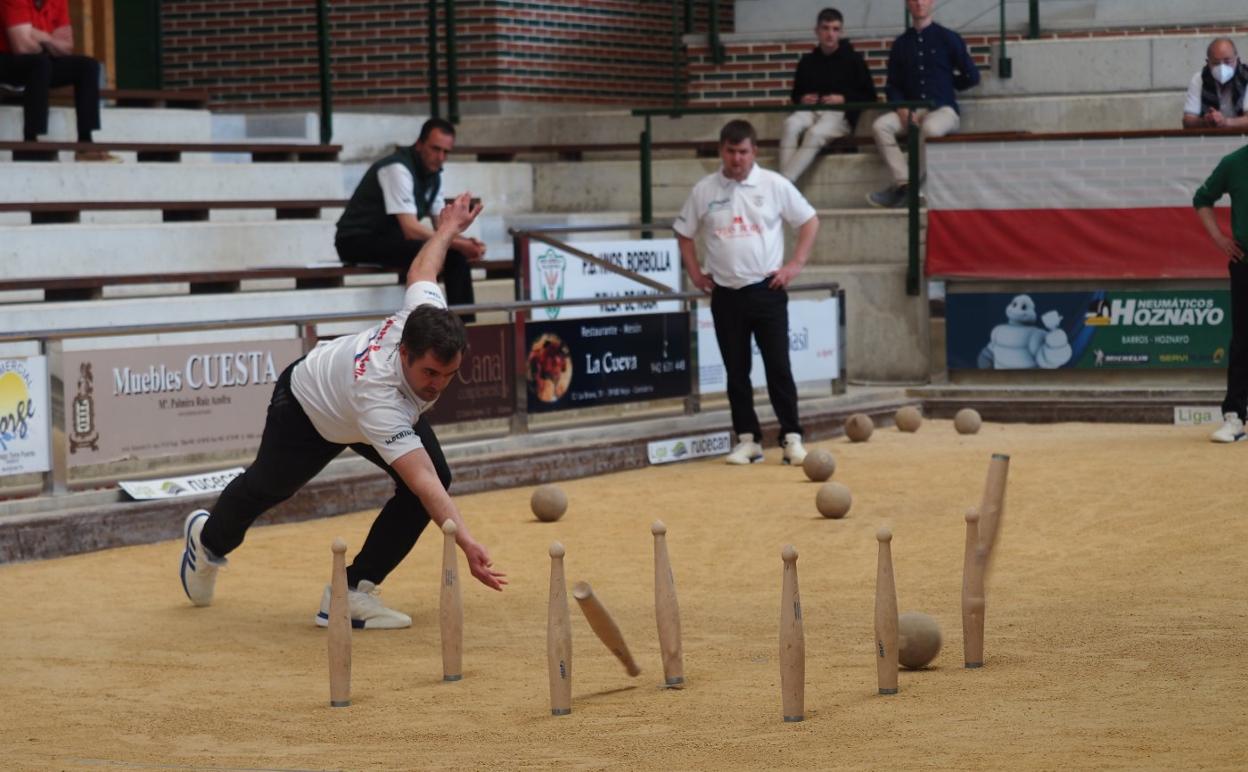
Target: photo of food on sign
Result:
[550, 368]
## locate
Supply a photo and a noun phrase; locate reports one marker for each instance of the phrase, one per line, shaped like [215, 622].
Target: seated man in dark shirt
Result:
[382, 221]
[927, 62]
[832, 74]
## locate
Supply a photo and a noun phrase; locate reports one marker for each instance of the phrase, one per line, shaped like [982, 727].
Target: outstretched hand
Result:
[481, 566]
[460, 213]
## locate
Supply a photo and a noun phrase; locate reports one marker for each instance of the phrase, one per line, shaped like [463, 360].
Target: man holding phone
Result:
[382, 221]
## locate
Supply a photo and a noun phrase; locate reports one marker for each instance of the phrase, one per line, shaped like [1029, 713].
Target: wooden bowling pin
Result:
[992, 507]
[339, 630]
[604, 625]
[559, 637]
[666, 610]
[792, 642]
[451, 607]
[885, 615]
[972, 596]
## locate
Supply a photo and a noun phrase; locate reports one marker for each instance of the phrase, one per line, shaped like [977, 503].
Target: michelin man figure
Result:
[1020, 344]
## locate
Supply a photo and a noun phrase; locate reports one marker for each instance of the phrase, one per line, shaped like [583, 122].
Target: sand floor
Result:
[1116, 615]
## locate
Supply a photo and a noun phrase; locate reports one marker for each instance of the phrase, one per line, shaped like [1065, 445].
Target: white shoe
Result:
[199, 566]
[747, 450]
[367, 612]
[794, 453]
[1230, 431]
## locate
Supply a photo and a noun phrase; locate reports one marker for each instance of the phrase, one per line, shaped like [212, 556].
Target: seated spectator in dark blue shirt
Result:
[832, 74]
[930, 63]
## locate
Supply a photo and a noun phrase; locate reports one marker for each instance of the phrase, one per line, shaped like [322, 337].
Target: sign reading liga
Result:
[25, 429]
[1105, 329]
[814, 346]
[167, 400]
[557, 275]
[588, 362]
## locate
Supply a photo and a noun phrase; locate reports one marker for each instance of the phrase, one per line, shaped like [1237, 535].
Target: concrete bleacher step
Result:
[132, 248]
[129, 124]
[160, 181]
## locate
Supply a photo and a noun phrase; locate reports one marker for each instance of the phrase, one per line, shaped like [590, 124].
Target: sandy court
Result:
[1116, 616]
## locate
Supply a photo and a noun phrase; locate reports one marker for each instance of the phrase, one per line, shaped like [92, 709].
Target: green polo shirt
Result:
[1230, 176]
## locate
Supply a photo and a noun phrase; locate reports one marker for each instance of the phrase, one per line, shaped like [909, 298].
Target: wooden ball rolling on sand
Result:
[859, 427]
[549, 502]
[918, 639]
[908, 419]
[833, 500]
[967, 421]
[819, 465]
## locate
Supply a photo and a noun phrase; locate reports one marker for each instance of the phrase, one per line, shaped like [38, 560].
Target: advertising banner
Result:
[25, 416]
[685, 448]
[485, 384]
[814, 346]
[587, 362]
[173, 487]
[167, 400]
[558, 275]
[1103, 329]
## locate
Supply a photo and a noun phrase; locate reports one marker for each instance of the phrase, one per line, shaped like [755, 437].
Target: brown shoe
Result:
[96, 155]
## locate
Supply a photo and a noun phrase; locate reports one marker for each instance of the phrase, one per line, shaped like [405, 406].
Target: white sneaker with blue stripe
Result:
[367, 611]
[199, 567]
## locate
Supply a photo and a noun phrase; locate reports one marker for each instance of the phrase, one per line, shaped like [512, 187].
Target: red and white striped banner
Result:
[1073, 209]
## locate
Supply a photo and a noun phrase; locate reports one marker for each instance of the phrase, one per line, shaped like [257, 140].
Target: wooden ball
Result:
[918, 639]
[833, 500]
[966, 421]
[908, 419]
[859, 427]
[819, 465]
[549, 503]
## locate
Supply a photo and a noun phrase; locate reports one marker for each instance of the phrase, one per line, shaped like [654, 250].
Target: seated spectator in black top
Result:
[36, 55]
[1218, 95]
[832, 74]
[382, 221]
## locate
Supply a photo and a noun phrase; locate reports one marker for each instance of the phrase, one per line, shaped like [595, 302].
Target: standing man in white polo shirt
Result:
[738, 212]
[367, 392]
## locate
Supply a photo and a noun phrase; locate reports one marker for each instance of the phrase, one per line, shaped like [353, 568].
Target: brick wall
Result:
[262, 53]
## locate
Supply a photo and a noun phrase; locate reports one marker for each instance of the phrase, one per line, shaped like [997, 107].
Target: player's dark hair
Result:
[829, 14]
[736, 132]
[440, 124]
[433, 329]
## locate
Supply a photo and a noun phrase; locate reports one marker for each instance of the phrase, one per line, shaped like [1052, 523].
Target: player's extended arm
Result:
[416, 470]
[458, 215]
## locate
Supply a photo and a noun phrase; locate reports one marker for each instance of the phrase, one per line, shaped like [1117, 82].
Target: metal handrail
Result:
[322, 51]
[912, 148]
[452, 66]
[434, 106]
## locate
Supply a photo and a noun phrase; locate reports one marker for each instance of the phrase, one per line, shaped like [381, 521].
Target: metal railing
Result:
[912, 149]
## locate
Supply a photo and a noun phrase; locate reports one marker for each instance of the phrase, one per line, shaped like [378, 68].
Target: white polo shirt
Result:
[397, 186]
[353, 389]
[1192, 104]
[740, 223]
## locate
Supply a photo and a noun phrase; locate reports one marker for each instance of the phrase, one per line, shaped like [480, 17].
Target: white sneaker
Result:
[367, 612]
[794, 452]
[1230, 431]
[747, 450]
[199, 566]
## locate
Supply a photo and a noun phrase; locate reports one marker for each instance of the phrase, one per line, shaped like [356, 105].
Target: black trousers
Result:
[41, 72]
[1236, 400]
[399, 252]
[291, 453]
[761, 312]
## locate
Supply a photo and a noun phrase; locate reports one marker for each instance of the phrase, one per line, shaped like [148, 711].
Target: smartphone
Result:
[472, 203]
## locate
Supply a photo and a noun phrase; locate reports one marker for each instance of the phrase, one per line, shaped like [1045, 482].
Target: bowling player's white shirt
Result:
[353, 389]
[739, 222]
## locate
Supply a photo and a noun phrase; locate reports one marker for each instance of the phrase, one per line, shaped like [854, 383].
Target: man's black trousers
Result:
[1237, 361]
[398, 253]
[40, 73]
[761, 312]
[291, 453]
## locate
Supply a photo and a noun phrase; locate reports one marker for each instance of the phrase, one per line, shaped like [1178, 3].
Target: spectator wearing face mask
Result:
[1218, 94]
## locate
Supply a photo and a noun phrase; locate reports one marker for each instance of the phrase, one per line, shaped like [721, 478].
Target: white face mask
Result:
[1222, 73]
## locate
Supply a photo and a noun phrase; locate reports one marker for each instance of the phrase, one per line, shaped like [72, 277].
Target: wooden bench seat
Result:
[173, 151]
[52, 212]
[121, 97]
[577, 151]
